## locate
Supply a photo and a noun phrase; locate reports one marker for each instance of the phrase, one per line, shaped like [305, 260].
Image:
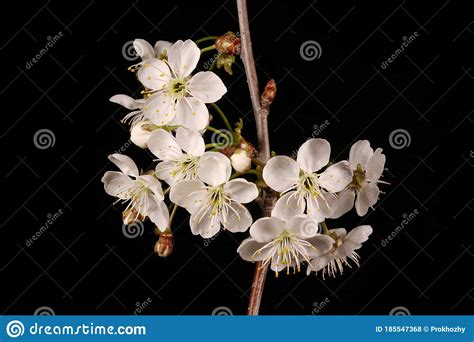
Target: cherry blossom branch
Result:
[261, 109]
[246, 55]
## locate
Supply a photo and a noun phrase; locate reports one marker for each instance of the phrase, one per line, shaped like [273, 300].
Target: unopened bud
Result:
[140, 133]
[164, 246]
[269, 93]
[240, 160]
[131, 216]
[228, 43]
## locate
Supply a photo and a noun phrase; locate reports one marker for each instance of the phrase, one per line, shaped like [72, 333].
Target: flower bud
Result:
[164, 246]
[240, 160]
[228, 43]
[131, 216]
[140, 133]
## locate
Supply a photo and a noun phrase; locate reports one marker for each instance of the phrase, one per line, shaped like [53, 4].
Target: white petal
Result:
[248, 249]
[238, 218]
[318, 263]
[143, 49]
[279, 267]
[340, 232]
[164, 171]
[125, 164]
[191, 113]
[140, 136]
[190, 141]
[189, 194]
[163, 145]
[117, 184]
[241, 190]
[127, 101]
[287, 207]
[366, 197]
[359, 234]
[303, 226]
[207, 86]
[322, 244]
[157, 211]
[345, 202]
[280, 173]
[183, 57]
[360, 153]
[214, 168]
[336, 177]
[161, 48]
[153, 184]
[313, 155]
[375, 166]
[154, 74]
[266, 229]
[322, 206]
[160, 109]
[206, 225]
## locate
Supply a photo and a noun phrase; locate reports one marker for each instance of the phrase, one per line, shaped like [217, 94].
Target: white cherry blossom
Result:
[176, 95]
[179, 155]
[213, 200]
[367, 167]
[303, 185]
[284, 241]
[343, 248]
[142, 192]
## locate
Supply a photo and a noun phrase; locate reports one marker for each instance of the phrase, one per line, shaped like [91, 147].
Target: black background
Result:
[83, 264]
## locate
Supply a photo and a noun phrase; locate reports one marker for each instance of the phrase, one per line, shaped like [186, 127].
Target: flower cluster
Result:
[169, 121]
[313, 190]
[214, 181]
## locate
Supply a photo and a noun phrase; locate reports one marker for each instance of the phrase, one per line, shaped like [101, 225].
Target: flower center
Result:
[178, 88]
[286, 250]
[336, 264]
[137, 199]
[185, 168]
[217, 205]
[358, 178]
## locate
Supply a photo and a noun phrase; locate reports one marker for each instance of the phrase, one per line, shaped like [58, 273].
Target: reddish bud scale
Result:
[228, 43]
[164, 246]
